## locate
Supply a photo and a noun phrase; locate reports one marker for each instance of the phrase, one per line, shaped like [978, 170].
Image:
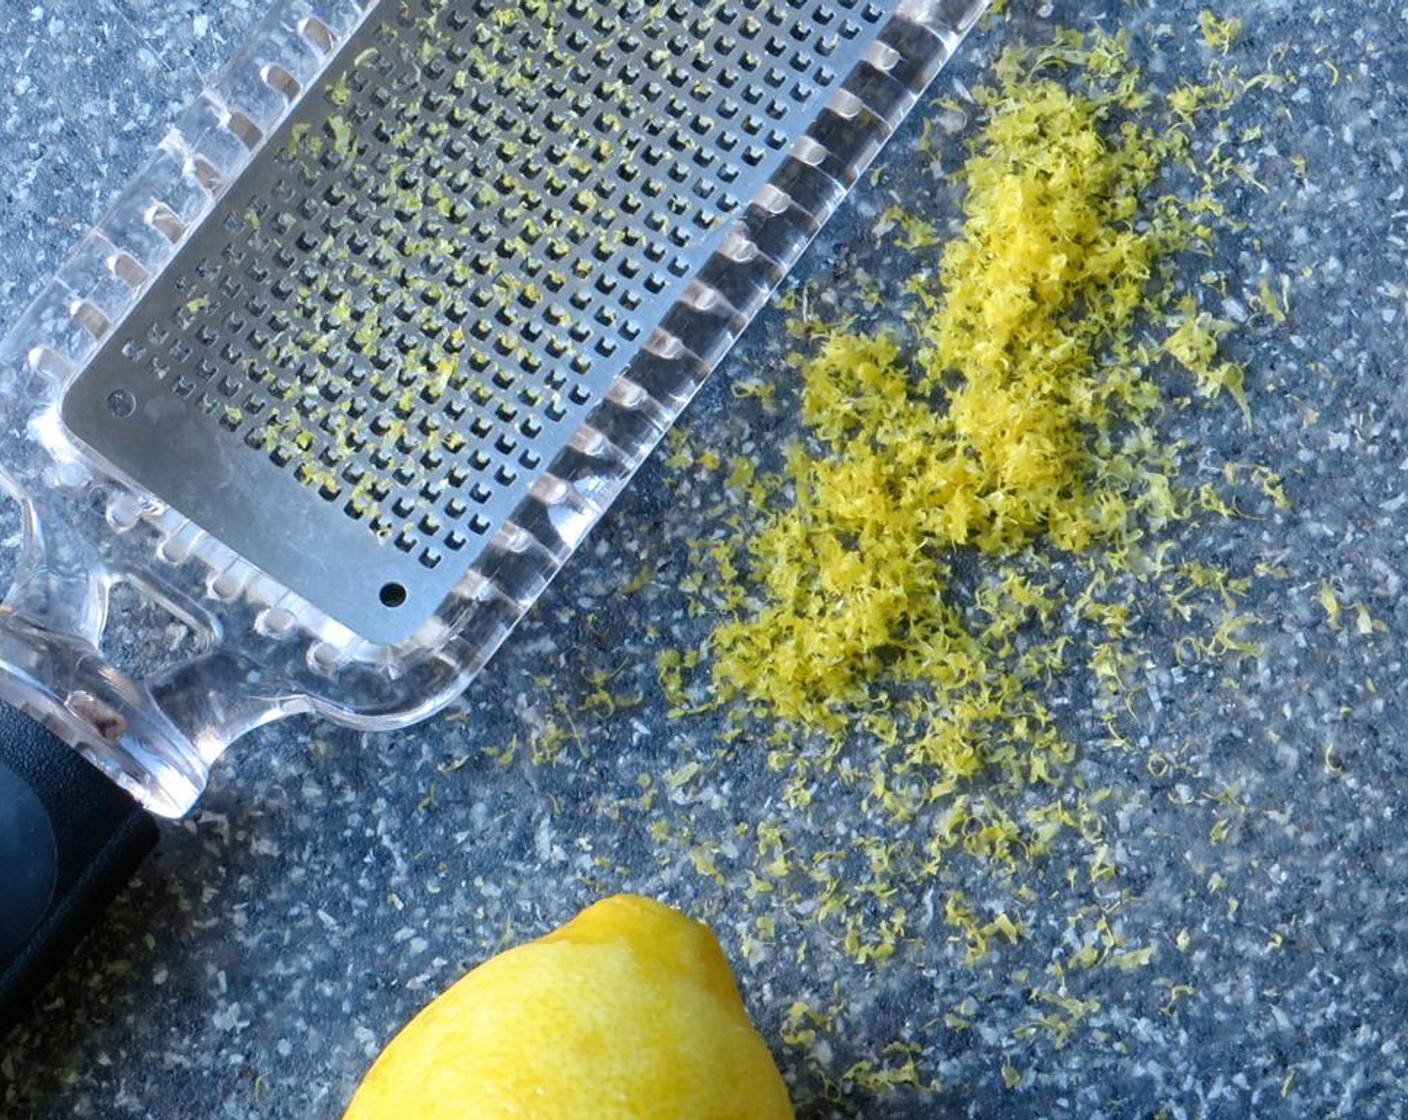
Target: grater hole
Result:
[392, 595]
[121, 403]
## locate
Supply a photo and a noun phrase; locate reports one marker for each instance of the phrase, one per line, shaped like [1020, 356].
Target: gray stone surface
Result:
[331, 881]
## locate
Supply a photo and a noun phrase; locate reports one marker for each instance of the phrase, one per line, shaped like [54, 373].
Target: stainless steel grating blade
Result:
[451, 251]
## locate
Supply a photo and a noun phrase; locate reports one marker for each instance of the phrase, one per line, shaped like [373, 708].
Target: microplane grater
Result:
[401, 303]
[353, 364]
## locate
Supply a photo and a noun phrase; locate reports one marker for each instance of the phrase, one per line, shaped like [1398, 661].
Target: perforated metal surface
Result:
[404, 309]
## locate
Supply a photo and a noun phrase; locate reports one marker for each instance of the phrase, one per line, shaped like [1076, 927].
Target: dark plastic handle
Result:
[69, 840]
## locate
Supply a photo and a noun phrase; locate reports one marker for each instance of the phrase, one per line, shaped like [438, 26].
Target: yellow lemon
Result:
[628, 1012]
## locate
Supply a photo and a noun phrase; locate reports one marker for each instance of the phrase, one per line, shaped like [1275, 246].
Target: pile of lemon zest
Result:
[1365, 623]
[802, 1023]
[1194, 345]
[1330, 604]
[1274, 306]
[1008, 425]
[1228, 636]
[1061, 1021]
[1175, 992]
[884, 1077]
[1218, 33]
[706, 863]
[915, 232]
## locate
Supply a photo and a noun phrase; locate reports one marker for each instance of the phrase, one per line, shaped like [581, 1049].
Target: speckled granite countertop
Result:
[330, 882]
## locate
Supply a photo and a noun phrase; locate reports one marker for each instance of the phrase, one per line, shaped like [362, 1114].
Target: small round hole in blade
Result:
[121, 403]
